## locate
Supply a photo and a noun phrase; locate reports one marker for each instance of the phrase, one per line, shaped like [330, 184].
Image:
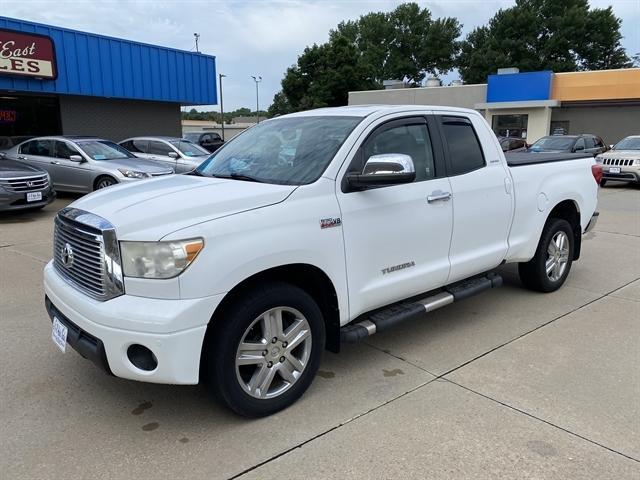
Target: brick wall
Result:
[118, 119]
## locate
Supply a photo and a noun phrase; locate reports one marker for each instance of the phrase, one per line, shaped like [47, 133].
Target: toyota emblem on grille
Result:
[67, 255]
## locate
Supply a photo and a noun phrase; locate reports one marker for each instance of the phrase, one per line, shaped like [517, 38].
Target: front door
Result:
[159, 151]
[396, 239]
[71, 176]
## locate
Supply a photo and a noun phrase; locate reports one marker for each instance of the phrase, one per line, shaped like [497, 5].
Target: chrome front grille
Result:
[86, 253]
[25, 184]
[623, 162]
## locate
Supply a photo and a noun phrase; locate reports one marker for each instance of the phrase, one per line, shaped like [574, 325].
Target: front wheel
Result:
[265, 349]
[550, 266]
[104, 182]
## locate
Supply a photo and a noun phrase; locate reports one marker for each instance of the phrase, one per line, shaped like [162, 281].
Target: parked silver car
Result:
[84, 164]
[180, 154]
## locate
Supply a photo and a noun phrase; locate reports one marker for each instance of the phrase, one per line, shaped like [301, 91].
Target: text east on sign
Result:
[27, 54]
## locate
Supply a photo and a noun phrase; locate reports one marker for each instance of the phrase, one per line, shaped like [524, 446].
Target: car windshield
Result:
[629, 143]
[553, 143]
[104, 150]
[286, 151]
[188, 148]
[192, 136]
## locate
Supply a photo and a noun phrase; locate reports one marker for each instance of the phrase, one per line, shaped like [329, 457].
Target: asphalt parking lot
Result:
[508, 384]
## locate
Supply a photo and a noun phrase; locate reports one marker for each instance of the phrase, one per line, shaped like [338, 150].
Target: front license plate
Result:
[34, 196]
[59, 334]
[614, 169]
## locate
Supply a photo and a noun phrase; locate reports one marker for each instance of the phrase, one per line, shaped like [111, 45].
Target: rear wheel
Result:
[104, 182]
[549, 268]
[265, 350]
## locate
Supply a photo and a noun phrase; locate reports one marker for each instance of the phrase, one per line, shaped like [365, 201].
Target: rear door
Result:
[397, 237]
[71, 176]
[481, 199]
[39, 153]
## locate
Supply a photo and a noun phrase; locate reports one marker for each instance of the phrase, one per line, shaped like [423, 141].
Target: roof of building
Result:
[96, 65]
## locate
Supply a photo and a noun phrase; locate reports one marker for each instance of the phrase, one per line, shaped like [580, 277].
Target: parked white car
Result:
[177, 153]
[242, 272]
[622, 162]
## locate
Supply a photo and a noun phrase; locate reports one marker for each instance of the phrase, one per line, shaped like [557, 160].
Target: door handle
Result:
[54, 163]
[438, 196]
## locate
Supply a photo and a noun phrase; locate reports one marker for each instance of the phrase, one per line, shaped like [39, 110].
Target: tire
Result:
[557, 236]
[104, 182]
[603, 182]
[272, 373]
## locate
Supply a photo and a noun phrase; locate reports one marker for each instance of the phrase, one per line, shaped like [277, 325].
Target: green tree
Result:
[557, 35]
[403, 44]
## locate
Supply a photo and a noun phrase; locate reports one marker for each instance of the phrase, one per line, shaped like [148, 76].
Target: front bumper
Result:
[103, 331]
[626, 174]
[10, 201]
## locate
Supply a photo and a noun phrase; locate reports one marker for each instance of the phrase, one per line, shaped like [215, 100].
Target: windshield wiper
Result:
[239, 176]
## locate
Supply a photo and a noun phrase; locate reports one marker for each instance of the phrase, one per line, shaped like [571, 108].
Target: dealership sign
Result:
[27, 54]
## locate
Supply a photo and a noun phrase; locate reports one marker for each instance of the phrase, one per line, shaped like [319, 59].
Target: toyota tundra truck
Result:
[304, 232]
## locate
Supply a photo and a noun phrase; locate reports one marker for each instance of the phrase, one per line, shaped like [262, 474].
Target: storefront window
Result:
[29, 115]
[510, 125]
[559, 127]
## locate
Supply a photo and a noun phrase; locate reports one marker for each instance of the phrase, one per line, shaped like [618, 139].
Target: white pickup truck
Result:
[306, 231]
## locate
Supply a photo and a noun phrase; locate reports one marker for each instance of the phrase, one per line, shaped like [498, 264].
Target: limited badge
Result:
[330, 222]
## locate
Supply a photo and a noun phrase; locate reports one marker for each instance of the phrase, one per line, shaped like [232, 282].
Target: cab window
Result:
[465, 152]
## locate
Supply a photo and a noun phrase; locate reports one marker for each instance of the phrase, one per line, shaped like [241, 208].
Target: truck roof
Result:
[366, 110]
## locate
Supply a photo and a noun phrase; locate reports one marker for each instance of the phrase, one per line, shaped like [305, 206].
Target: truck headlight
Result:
[133, 173]
[158, 259]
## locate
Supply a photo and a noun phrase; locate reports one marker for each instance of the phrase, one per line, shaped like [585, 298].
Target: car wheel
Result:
[265, 349]
[104, 182]
[550, 266]
[603, 182]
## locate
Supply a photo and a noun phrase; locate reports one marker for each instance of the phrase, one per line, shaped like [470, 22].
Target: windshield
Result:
[286, 151]
[192, 136]
[188, 148]
[553, 143]
[629, 143]
[104, 150]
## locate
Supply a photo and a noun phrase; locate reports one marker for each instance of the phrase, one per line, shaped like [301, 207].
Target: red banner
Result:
[27, 54]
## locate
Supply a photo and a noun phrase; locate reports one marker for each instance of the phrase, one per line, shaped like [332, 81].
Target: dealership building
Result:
[534, 104]
[59, 81]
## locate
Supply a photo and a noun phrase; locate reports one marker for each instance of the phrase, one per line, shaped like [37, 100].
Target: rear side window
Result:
[465, 153]
[159, 148]
[42, 148]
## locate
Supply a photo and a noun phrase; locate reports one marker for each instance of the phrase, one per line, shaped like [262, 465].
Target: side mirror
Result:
[381, 170]
[76, 158]
[173, 154]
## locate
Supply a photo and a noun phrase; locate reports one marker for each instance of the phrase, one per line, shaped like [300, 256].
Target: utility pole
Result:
[197, 37]
[220, 77]
[257, 79]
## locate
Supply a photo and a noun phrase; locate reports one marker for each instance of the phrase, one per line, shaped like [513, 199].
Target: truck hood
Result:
[626, 154]
[151, 209]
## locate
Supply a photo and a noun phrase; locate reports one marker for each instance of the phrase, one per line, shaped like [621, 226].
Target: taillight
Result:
[596, 170]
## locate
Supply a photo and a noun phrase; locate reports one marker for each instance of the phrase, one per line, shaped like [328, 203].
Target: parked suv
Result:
[622, 162]
[585, 143]
[210, 141]
[178, 153]
[84, 164]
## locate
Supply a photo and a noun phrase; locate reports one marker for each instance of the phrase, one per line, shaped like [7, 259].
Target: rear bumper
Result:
[10, 201]
[592, 222]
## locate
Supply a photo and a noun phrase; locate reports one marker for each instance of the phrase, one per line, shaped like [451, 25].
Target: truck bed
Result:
[519, 159]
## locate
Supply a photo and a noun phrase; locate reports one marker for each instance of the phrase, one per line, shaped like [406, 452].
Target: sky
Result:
[256, 37]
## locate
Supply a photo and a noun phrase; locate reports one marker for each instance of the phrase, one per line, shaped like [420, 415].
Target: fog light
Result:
[142, 357]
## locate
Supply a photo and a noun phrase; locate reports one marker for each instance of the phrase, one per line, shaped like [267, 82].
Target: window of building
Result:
[465, 152]
[559, 127]
[510, 125]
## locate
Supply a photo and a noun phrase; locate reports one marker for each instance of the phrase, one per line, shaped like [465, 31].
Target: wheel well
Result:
[568, 210]
[307, 277]
[95, 182]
